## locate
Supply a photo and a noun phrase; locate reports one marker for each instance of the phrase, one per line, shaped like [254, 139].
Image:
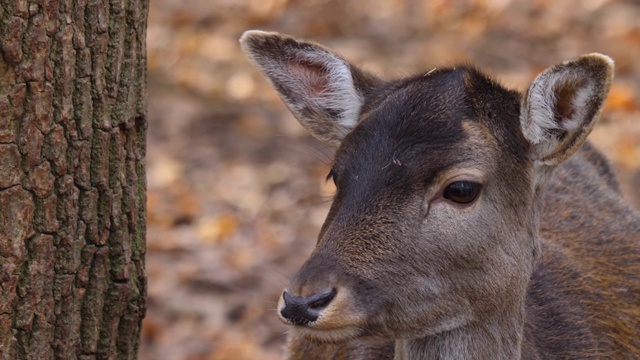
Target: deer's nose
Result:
[303, 310]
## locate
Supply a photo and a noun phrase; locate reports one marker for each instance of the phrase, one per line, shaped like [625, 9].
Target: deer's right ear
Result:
[562, 106]
[322, 90]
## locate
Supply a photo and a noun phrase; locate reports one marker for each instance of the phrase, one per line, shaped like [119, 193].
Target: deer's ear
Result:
[322, 90]
[562, 105]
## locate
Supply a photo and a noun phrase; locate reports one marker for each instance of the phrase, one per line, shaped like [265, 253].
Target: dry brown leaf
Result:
[621, 97]
[628, 152]
[217, 229]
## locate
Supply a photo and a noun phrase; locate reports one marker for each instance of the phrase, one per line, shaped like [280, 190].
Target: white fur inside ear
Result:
[340, 93]
[540, 118]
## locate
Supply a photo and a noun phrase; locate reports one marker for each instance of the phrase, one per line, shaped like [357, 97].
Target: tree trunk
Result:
[72, 178]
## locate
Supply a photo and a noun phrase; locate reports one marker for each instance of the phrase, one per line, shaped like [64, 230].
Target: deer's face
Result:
[426, 229]
[433, 225]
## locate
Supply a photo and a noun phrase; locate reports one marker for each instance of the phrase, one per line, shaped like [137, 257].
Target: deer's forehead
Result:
[421, 126]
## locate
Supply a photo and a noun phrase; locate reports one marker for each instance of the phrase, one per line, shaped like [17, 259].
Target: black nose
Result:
[301, 311]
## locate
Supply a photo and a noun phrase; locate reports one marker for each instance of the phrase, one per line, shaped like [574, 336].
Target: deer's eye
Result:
[462, 192]
[332, 176]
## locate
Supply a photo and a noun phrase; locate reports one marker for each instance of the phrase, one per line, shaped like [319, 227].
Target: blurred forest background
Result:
[236, 189]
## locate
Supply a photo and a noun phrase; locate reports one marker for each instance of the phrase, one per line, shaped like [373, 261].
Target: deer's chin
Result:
[334, 335]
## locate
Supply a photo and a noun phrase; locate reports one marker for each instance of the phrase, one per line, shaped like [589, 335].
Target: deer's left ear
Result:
[562, 105]
[323, 91]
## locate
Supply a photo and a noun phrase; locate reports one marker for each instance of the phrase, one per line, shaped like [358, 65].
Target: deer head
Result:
[434, 222]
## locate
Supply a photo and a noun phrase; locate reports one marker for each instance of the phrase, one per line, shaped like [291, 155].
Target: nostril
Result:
[320, 301]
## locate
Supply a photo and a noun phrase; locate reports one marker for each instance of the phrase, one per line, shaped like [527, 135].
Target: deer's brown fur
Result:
[542, 263]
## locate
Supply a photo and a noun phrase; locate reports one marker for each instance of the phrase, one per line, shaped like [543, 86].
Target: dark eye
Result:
[331, 176]
[462, 192]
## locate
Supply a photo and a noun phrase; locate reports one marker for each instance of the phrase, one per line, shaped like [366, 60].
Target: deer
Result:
[469, 220]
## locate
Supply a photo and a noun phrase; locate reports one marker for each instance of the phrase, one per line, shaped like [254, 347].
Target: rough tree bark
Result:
[72, 178]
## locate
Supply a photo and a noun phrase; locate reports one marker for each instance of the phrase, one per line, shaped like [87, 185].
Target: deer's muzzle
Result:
[299, 310]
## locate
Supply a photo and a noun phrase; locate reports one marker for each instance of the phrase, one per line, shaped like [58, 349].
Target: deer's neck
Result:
[499, 339]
